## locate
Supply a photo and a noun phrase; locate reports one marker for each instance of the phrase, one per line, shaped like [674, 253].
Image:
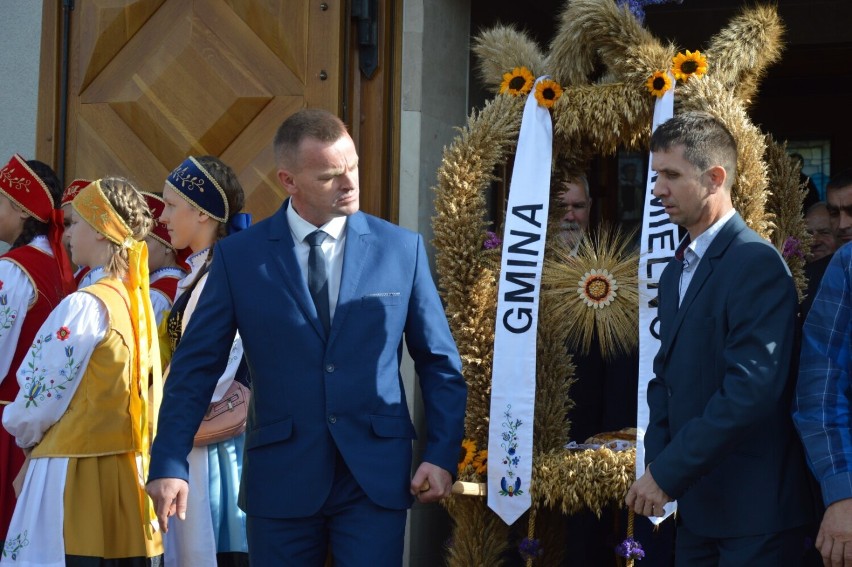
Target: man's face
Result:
[840, 213]
[681, 189]
[818, 223]
[323, 182]
[575, 222]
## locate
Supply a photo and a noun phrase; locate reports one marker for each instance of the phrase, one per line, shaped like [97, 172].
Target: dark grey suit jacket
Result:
[720, 438]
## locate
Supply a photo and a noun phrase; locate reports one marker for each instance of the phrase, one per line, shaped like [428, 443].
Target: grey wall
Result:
[20, 40]
[435, 44]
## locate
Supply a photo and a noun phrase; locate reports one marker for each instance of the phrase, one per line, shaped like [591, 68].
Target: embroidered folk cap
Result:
[72, 190]
[26, 189]
[195, 184]
[159, 230]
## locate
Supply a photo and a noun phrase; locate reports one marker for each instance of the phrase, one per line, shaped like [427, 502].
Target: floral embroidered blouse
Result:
[50, 372]
[16, 295]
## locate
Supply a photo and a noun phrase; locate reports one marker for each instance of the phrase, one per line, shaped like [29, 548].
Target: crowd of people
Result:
[306, 311]
[125, 314]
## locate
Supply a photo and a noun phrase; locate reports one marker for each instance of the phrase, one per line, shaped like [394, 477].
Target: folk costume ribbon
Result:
[657, 246]
[93, 207]
[510, 435]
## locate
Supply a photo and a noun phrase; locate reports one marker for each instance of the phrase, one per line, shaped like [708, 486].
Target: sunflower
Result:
[547, 92]
[685, 66]
[467, 454]
[659, 83]
[598, 291]
[518, 82]
[480, 462]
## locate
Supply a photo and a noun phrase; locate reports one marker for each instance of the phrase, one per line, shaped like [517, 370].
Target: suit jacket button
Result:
[332, 418]
[329, 368]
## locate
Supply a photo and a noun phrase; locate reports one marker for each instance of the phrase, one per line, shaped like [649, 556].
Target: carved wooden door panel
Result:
[152, 81]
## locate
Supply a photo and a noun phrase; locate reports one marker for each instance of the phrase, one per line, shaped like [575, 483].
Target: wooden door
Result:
[152, 81]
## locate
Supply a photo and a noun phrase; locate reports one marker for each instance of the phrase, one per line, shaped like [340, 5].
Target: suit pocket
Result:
[392, 426]
[268, 434]
[381, 300]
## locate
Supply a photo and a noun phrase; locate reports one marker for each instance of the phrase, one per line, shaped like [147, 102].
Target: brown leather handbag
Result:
[226, 418]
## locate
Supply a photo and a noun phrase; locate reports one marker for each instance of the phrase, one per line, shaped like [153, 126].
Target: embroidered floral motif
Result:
[39, 387]
[510, 485]
[17, 183]
[188, 181]
[1, 284]
[7, 314]
[12, 546]
[63, 333]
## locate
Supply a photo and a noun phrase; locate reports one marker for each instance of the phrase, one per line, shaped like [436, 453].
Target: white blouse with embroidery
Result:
[16, 295]
[49, 374]
[48, 377]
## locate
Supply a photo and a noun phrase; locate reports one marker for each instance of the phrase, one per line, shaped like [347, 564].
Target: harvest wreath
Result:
[589, 118]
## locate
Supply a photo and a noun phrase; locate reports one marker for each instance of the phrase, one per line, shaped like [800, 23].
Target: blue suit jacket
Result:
[311, 392]
[720, 437]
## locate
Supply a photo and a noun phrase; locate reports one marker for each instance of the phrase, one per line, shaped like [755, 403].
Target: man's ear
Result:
[285, 177]
[717, 177]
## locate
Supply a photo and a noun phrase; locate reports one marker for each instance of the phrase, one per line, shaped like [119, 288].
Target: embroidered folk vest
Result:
[43, 273]
[104, 416]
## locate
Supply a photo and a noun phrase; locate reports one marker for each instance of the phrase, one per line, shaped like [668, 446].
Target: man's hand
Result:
[431, 483]
[645, 497]
[169, 496]
[834, 539]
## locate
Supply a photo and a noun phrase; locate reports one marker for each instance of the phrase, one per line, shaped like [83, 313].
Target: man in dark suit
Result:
[720, 438]
[322, 296]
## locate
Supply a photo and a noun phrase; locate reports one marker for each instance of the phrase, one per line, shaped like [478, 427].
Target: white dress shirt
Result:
[332, 248]
[695, 250]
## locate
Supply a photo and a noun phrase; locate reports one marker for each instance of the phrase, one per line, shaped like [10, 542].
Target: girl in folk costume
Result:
[203, 198]
[163, 267]
[67, 196]
[84, 409]
[34, 277]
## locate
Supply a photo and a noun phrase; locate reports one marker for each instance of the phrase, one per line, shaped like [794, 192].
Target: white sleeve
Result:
[235, 355]
[51, 370]
[160, 304]
[16, 293]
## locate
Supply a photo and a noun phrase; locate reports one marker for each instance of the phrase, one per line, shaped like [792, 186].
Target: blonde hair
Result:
[130, 205]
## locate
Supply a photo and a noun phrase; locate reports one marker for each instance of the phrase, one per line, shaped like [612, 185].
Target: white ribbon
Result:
[657, 247]
[510, 435]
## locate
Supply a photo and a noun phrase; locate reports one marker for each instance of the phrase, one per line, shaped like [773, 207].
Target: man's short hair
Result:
[840, 180]
[564, 173]
[816, 207]
[706, 141]
[313, 123]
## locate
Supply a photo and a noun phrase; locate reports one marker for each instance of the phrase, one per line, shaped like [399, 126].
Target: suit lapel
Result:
[356, 255]
[705, 268]
[282, 250]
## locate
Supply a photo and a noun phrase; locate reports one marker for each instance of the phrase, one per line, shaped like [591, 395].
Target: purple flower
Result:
[492, 241]
[630, 549]
[792, 247]
[530, 548]
[637, 6]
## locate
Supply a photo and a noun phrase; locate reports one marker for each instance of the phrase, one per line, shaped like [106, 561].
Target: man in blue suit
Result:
[322, 296]
[720, 438]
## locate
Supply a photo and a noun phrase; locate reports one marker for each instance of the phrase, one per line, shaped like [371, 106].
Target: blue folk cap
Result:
[197, 186]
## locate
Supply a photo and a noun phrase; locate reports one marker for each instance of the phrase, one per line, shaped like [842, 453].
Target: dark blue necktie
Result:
[318, 277]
